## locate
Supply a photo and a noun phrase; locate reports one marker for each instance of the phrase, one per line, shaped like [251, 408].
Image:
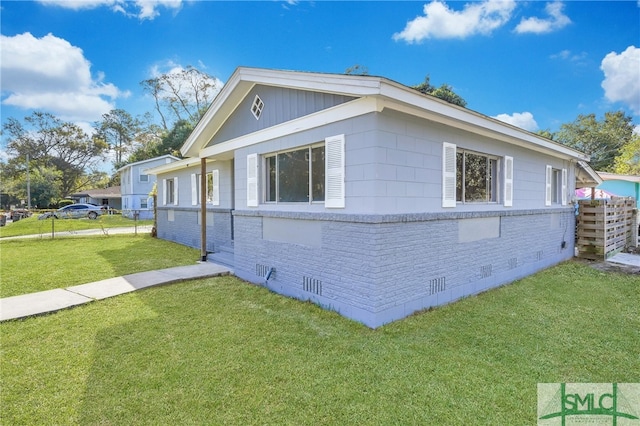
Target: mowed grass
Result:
[30, 265]
[221, 351]
[33, 226]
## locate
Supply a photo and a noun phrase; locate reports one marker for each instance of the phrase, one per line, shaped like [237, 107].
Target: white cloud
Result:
[524, 120]
[622, 77]
[567, 55]
[439, 21]
[556, 20]
[142, 9]
[50, 74]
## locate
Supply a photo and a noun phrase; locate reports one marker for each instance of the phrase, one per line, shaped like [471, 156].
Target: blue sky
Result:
[535, 64]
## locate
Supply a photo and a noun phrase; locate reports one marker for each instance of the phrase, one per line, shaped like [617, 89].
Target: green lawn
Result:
[30, 265]
[221, 351]
[32, 225]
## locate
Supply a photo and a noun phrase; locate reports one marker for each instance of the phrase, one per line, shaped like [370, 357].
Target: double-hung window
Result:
[170, 193]
[556, 186]
[476, 177]
[296, 176]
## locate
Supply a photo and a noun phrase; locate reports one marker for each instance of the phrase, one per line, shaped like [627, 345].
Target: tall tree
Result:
[64, 148]
[182, 94]
[602, 139]
[444, 92]
[628, 161]
[118, 129]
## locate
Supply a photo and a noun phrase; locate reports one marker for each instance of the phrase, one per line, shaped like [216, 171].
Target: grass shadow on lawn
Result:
[146, 254]
[222, 351]
[43, 264]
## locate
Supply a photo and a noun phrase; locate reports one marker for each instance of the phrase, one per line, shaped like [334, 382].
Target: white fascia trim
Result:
[400, 98]
[590, 172]
[147, 161]
[244, 79]
[334, 114]
[178, 165]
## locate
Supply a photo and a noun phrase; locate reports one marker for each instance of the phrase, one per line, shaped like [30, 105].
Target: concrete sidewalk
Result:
[142, 229]
[53, 300]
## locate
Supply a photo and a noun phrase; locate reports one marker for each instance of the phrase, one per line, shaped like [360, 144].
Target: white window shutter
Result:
[194, 189]
[215, 197]
[252, 180]
[548, 189]
[164, 192]
[508, 181]
[448, 174]
[175, 191]
[334, 197]
[564, 187]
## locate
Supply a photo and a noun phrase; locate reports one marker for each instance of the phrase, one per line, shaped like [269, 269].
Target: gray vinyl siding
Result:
[280, 105]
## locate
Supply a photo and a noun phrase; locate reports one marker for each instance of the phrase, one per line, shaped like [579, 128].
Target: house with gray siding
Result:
[366, 196]
[136, 185]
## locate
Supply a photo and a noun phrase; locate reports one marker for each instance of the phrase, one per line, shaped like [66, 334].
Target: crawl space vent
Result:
[312, 285]
[436, 285]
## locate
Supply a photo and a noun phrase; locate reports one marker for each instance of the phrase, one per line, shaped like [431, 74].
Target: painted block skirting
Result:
[377, 269]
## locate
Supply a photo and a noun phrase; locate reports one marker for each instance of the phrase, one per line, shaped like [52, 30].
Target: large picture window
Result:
[476, 177]
[296, 176]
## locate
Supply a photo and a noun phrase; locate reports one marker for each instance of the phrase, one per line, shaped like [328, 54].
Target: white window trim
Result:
[334, 187]
[194, 189]
[547, 185]
[508, 181]
[563, 187]
[448, 175]
[252, 180]
[215, 179]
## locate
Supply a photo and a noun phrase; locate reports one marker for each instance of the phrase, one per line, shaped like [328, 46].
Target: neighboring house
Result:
[621, 185]
[109, 197]
[366, 196]
[136, 184]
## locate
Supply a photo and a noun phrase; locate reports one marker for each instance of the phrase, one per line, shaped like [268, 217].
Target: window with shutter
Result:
[215, 183]
[508, 181]
[564, 187]
[252, 180]
[175, 191]
[194, 189]
[334, 172]
[448, 174]
[164, 192]
[548, 186]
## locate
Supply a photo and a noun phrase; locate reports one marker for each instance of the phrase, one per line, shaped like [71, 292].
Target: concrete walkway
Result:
[53, 300]
[143, 229]
[625, 259]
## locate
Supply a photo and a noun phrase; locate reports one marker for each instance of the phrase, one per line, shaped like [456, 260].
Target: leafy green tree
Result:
[52, 144]
[179, 95]
[444, 92]
[603, 139]
[628, 161]
[357, 70]
[118, 129]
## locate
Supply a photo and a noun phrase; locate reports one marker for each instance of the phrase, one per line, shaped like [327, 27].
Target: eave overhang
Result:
[374, 95]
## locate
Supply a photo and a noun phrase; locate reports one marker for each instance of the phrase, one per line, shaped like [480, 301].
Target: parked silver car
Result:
[74, 211]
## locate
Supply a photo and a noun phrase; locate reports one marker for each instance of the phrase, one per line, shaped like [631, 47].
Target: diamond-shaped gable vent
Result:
[256, 107]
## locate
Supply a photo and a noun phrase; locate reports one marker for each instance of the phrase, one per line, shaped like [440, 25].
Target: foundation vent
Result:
[261, 270]
[539, 255]
[485, 271]
[312, 285]
[513, 263]
[436, 285]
